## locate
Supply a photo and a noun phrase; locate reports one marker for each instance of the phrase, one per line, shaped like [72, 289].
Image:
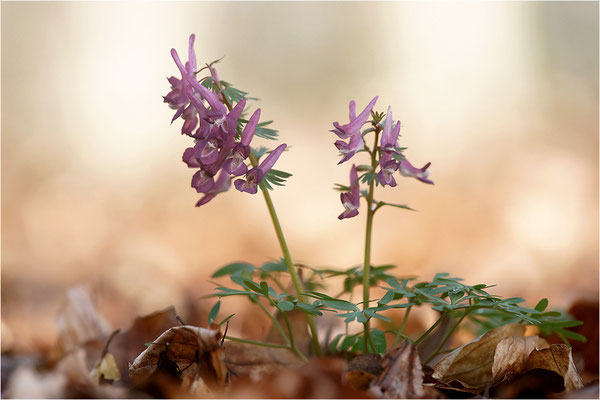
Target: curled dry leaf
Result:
[512, 353]
[471, 364]
[182, 345]
[556, 358]
[402, 375]
[78, 320]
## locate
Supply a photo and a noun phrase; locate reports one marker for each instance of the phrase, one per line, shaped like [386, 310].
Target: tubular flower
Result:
[211, 118]
[352, 130]
[222, 184]
[406, 169]
[235, 165]
[255, 176]
[351, 200]
[177, 98]
[389, 142]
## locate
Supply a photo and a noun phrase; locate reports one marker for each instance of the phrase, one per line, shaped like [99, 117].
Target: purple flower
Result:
[406, 169]
[352, 131]
[387, 167]
[351, 200]
[356, 122]
[189, 84]
[389, 137]
[255, 176]
[349, 149]
[222, 184]
[177, 98]
[389, 141]
[235, 165]
[203, 181]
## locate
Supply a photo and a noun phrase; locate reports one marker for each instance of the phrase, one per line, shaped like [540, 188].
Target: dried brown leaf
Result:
[183, 345]
[402, 375]
[512, 353]
[556, 358]
[128, 345]
[471, 364]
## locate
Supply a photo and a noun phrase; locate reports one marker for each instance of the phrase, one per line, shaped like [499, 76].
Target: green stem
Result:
[288, 262]
[445, 338]
[282, 243]
[275, 322]
[423, 336]
[369, 229]
[292, 345]
[401, 328]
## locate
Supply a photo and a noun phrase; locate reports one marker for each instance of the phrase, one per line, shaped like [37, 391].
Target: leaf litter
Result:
[159, 357]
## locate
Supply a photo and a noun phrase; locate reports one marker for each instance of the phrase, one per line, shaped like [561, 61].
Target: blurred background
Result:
[501, 98]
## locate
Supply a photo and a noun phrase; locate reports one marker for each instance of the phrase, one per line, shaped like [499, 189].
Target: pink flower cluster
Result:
[210, 119]
[391, 158]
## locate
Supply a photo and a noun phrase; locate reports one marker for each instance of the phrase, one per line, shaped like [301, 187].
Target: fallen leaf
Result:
[512, 353]
[128, 345]
[182, 345]
[402, 375]
[471, 364]
[106, 369]
[78, 320]
[557, 358]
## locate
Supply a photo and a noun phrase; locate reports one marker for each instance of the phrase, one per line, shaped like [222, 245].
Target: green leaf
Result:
[258, 153]
[266, 133]
[226, 319]
[348, 342]
[378, 338]
[403, 206]
[214, 311]
[276, 177]
[234, 94]
[274, 266]
[233, 268]
[334, 343]
[339, 305]
[389, 296]
[308, 308]
[285, 305]
[254, 287]
[541, 305]
[265, 288]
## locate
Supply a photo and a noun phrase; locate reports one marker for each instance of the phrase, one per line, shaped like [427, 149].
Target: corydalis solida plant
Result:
[213, 114]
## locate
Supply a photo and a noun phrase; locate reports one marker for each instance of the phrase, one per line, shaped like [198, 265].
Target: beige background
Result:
[502, 98]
